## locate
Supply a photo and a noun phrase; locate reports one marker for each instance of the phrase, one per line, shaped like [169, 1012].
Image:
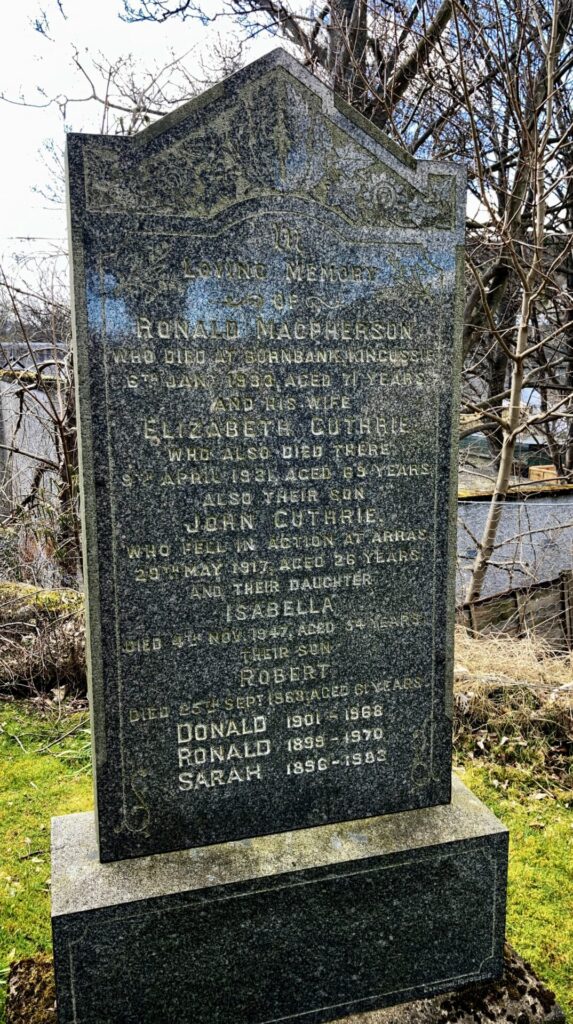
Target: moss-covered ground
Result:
[540, 890]
[45, 761]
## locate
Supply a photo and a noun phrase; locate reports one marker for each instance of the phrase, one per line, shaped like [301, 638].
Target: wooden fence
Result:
[544, 609]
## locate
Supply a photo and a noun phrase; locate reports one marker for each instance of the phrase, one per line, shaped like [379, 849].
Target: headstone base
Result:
[31, 999]
[306, 926]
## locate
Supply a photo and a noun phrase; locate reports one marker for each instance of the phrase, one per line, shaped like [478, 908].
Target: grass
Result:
[46, 772]
[529, 659]
[513, 738]
[540, 889]
[40, 778]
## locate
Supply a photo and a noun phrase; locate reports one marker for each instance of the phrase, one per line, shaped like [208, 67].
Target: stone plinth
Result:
[519, 991]
[309, 925]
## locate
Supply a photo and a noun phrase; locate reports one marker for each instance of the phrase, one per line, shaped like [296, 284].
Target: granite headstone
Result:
[267, 326]
[266, 306]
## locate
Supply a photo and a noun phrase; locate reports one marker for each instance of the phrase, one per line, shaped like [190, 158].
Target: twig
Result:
[53, 743]
[18, 741]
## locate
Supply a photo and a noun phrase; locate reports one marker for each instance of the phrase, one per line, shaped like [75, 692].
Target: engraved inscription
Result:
[291, 479]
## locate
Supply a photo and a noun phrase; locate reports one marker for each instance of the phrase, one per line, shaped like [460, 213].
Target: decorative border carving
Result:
[274, 141]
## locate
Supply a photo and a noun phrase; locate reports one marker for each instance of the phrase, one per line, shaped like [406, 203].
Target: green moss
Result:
[27, 376]
[540, 891]
[38, 781]
[59, 601]
[50, 602]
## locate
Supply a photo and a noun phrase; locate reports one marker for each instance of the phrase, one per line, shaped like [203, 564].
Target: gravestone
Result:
[267, 331]
[267, 391]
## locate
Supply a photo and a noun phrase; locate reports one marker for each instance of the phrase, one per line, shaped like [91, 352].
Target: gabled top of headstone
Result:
[272, 129]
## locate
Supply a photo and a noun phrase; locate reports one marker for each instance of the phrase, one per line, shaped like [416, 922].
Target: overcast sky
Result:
[31, 62]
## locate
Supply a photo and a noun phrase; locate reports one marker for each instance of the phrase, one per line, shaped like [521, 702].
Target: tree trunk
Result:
[487, 543]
